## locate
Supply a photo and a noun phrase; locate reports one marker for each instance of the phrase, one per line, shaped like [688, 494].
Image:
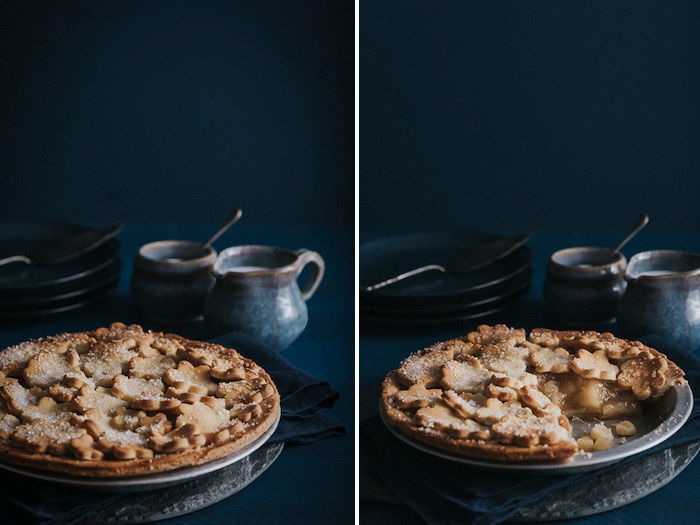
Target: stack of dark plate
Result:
[435, 297]
[28, 291]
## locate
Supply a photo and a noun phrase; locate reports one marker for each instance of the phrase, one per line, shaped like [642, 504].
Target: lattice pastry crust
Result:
[121, 401]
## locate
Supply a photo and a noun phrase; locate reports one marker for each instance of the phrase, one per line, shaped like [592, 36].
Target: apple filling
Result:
[577, 395]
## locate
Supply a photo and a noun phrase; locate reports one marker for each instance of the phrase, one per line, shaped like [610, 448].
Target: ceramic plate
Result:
[16, 238]
[449, 306]
[150, 481]
[83, 299]
[659, 422]
[391, 256]
[80, 288]
[449, 301]
[452, 317]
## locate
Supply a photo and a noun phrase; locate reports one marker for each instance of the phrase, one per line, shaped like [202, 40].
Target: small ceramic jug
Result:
[663, 297]
[583, 286]
[171, 280]
[256, 292]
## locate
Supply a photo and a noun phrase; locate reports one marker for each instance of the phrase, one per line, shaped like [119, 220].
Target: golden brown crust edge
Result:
[138, 467]
[135, 467]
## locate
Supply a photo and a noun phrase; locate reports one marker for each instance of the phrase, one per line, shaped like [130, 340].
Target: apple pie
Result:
[121, 401]
[502, 394]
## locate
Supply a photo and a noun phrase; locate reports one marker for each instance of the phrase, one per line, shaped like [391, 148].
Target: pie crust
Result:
[121, 401]
[502, 394]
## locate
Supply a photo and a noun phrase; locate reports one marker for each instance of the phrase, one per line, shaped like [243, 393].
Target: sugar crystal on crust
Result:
[425, 367]
[465, 376]
[504, 357]
[594, 365]
[555, 360]
[645, 374]
[441, 416]
[104, 361]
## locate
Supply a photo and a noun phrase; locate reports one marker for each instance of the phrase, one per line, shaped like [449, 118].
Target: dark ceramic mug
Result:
[256, 292]
[171, 280]
[583, 286]
[663, 297]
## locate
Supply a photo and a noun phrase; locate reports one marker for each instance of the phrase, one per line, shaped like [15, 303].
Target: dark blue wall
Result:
[177, 110]
[530, 114]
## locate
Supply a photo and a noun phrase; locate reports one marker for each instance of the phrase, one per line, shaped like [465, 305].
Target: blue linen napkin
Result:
[459, 494]
[303, 399]
[303, 396]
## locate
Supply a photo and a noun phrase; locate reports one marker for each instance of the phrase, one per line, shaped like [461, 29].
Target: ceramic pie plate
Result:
[659, 422]
[150, 481]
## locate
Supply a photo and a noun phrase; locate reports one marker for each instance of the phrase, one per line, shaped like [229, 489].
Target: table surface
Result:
[381, 349]
[310, 483]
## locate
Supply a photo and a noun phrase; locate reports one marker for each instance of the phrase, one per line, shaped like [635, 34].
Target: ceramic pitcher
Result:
[663, 297]
[256, 292]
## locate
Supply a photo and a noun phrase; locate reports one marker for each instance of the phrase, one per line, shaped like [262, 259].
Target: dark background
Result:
[177, 111]
[529, 115]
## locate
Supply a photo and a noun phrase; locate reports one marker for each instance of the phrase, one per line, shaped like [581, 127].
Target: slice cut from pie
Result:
[502, 394]
[121, 401]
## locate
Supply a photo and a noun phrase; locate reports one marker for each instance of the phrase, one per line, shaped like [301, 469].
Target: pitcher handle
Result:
[310, 257]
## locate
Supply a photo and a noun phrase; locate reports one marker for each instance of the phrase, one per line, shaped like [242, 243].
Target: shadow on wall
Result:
[177, 111]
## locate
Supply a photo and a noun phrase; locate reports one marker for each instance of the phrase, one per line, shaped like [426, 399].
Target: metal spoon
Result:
[230, 221]
[468, 260]
[638, 226]
[59, 251]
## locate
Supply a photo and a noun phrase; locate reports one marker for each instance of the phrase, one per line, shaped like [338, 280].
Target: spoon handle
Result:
[403, 276]
[641, 223]
[233, 219]
[15, 258]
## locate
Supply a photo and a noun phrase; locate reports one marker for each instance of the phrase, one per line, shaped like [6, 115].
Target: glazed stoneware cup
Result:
[583, 286]
[663, 297]
[172, 279]
[256, 292]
